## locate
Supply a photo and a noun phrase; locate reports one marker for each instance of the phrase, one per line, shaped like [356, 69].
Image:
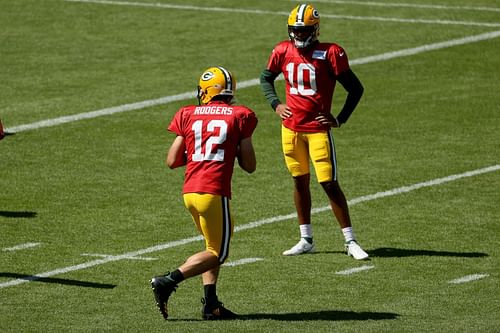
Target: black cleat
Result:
[215, 310]
[163, 286]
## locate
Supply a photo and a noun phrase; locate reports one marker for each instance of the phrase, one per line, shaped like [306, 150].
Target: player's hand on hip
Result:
[327, 119]
[283, 111]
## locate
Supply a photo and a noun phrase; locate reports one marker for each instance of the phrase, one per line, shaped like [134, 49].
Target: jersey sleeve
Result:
[247, 123]
[176, 124]
[275, 59]
[338, 59]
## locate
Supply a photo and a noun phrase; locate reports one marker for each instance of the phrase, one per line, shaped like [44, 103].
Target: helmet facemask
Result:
[303, 36]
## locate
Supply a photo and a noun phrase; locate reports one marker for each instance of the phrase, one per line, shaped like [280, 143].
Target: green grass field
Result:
[89, 212]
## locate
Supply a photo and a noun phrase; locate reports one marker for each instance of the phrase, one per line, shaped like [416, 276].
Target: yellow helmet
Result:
[303, 19]
[215, 81]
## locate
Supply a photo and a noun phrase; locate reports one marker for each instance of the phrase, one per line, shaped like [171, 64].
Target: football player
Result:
[311, 69]
[209, 137]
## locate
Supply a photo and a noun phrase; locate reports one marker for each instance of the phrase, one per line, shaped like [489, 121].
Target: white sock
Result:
[306, 231]
[348, 234]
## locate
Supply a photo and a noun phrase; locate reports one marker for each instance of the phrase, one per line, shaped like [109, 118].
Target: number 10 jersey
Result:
[310, 76]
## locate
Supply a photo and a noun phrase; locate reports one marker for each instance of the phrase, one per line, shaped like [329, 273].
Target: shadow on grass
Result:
[391, 252]
[388, 252]
[57, 281]
[13, 214]
[316, 316]
[321, 315]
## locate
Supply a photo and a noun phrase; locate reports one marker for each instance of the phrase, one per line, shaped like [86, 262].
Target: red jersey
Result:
[212, 134]
[310, 76]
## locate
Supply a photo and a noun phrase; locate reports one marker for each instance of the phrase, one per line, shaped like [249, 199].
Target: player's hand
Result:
[327, 119]
[283, 111]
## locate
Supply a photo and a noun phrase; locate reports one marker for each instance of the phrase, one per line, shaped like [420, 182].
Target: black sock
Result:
[176, 276]
[210, 291]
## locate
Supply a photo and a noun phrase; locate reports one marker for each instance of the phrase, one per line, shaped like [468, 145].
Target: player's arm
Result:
[267, 84]
[246, 155]
[176, 156]
[354, 89]
[267, 79]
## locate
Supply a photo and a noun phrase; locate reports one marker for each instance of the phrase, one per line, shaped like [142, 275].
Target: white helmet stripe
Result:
[301, 12]
[229, 79]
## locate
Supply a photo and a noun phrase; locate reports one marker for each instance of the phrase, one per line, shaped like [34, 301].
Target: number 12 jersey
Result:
[212, 133]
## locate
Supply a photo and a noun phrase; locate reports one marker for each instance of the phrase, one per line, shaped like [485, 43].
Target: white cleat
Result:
[354, 250]
[300, 248]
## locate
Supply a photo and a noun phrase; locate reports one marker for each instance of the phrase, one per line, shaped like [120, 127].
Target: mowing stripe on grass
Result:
[355, 270]
[250, 225]
[268, 12]
[21, 247]
[469, 278]
[245, 84]
[243, 261]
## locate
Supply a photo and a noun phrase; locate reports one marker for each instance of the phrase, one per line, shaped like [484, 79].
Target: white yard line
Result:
[181, 7]
[280, 13]
[250, 225]
[21, 247]
[109, 256]
[419, 21]
[430, 183]
[427, 48]
[245, 84]
[355, 270]
[409, 5]
[243, 261]
[468, 278]
[375, 196]
[102, 112]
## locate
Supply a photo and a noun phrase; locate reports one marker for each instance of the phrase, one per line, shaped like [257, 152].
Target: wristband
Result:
[275, 103]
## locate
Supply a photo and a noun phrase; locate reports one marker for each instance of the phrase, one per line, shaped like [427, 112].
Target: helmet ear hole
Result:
[201, 95]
